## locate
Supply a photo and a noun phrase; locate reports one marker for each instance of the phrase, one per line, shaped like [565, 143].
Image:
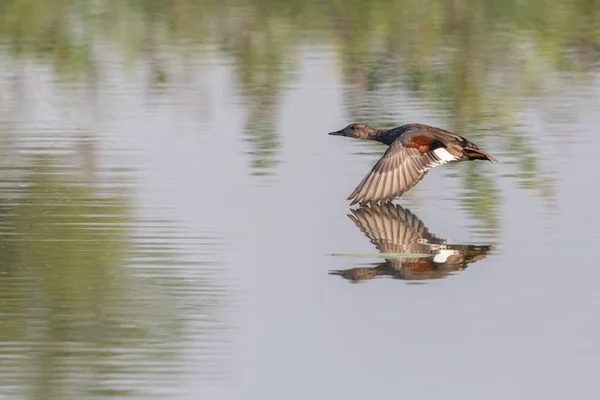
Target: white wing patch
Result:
[444, 155]
[443, 255]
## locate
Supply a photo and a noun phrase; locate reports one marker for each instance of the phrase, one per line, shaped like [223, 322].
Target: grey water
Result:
[173, 221]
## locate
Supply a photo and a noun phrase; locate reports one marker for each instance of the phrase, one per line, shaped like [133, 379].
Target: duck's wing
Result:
[402, 166]
[455, 144]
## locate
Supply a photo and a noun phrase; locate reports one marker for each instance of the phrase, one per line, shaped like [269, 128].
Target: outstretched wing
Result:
[400, 168]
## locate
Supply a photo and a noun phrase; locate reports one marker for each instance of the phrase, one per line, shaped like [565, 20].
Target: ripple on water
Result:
[96, 300]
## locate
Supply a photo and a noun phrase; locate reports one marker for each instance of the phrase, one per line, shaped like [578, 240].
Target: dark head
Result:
[357, 131]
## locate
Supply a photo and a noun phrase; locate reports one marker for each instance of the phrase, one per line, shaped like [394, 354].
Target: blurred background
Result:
[170, 200]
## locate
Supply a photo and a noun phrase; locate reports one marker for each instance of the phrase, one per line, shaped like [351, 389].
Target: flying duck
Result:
[393, 229]
[413, 150]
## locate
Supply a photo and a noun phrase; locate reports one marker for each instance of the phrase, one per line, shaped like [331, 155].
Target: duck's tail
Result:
[476, 154]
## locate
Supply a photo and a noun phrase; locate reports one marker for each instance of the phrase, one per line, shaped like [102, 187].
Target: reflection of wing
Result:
[393, 229]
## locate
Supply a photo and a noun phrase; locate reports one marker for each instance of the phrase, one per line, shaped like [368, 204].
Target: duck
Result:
[413, 149]
[394, 229]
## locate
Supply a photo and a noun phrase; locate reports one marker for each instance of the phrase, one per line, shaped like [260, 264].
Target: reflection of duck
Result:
[393, 229]
[413, 150]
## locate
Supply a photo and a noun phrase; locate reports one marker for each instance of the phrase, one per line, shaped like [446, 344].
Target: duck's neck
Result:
[385, 136]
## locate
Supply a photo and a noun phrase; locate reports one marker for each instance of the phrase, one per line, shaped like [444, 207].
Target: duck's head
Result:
[357, 131]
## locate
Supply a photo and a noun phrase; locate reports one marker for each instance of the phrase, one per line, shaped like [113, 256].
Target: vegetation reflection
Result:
[71, 311]
[473, 60]
[473, 64]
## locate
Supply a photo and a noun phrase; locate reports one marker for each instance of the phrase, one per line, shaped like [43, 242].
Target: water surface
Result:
[170, 200]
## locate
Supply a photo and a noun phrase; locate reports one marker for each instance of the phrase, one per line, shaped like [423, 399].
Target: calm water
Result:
[173, 221]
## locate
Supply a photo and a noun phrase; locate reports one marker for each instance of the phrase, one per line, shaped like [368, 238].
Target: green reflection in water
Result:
[88, 305]
[474, 63]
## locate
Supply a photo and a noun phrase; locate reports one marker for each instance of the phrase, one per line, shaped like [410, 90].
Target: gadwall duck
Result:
[413, 150]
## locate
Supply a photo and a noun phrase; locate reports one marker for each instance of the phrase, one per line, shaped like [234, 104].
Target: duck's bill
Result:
[477, 154]
[337, 133]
